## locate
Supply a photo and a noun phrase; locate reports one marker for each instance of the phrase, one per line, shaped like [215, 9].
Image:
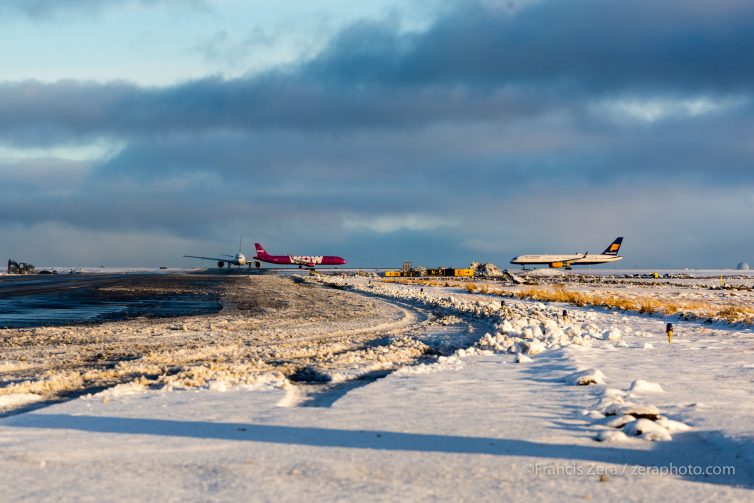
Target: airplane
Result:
[566, 261]
[238, 259]
[308, 261]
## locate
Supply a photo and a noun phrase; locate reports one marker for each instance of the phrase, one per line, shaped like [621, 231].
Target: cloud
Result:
[477, 63]
[385, 224]
[55, 9]
[490, 132]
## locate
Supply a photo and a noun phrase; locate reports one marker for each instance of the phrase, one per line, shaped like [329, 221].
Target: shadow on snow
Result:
[695, 448]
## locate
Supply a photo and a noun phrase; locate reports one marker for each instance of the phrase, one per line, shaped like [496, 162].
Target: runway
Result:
[34, 301]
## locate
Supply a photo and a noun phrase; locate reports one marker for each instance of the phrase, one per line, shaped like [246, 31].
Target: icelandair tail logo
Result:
[614, 247]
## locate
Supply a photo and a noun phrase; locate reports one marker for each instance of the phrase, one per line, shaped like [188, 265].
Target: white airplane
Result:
[238, 259]
[566, 261]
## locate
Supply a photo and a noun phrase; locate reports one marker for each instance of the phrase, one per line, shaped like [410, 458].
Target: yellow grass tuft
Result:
[641, 304]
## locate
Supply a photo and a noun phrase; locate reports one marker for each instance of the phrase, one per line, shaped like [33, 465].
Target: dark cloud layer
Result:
[558, 124]
[476, 63]
[581, 45]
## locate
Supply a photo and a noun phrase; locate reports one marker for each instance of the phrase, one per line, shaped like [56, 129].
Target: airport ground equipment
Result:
[402, 274]
[450, 272]
[20, 267]
[441, 272]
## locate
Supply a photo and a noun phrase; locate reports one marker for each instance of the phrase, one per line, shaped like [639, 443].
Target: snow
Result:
[641, 386]
[542, 271]
[17, 399]
[611, 436]
[522, 358]
[648, 430]
[586, 377]
[468, 423]
[672, 426]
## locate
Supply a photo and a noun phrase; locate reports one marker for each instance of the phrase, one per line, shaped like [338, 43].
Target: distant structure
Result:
[20, 267]
[743, 266]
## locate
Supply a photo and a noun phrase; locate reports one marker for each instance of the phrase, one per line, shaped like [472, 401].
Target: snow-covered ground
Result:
[708, 295]
[505, 418]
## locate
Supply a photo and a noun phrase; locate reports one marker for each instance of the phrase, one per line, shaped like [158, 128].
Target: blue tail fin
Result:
[614, 247]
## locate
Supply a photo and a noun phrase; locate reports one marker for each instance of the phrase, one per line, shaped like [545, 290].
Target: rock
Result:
[485, 270]
[630, 409]
[586, 377]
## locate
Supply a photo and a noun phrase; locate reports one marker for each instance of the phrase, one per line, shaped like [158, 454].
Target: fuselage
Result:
[305, 260]
[299, 260]
[557, 261]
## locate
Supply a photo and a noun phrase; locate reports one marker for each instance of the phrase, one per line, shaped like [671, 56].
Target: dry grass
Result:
[736, 314]
[641, 304]
[487, 290]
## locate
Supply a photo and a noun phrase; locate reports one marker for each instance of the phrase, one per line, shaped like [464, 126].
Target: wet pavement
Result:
[35, 301]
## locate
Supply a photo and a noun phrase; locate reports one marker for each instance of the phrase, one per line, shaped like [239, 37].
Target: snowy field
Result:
[350, 388]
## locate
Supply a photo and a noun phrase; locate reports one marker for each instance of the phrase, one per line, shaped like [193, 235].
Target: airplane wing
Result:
[206, 258]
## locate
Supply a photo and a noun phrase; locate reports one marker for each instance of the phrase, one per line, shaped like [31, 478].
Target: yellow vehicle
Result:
[448, 272]
[401, 274]
[438, 272]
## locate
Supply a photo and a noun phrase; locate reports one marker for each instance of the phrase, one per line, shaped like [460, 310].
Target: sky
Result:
[133, 132]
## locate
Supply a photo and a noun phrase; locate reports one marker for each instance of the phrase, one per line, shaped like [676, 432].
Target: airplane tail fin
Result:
[261, 252]
[614, 247]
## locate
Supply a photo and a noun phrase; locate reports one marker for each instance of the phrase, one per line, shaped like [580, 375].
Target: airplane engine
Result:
[257, 264]
[221, 264]
[557, 265]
